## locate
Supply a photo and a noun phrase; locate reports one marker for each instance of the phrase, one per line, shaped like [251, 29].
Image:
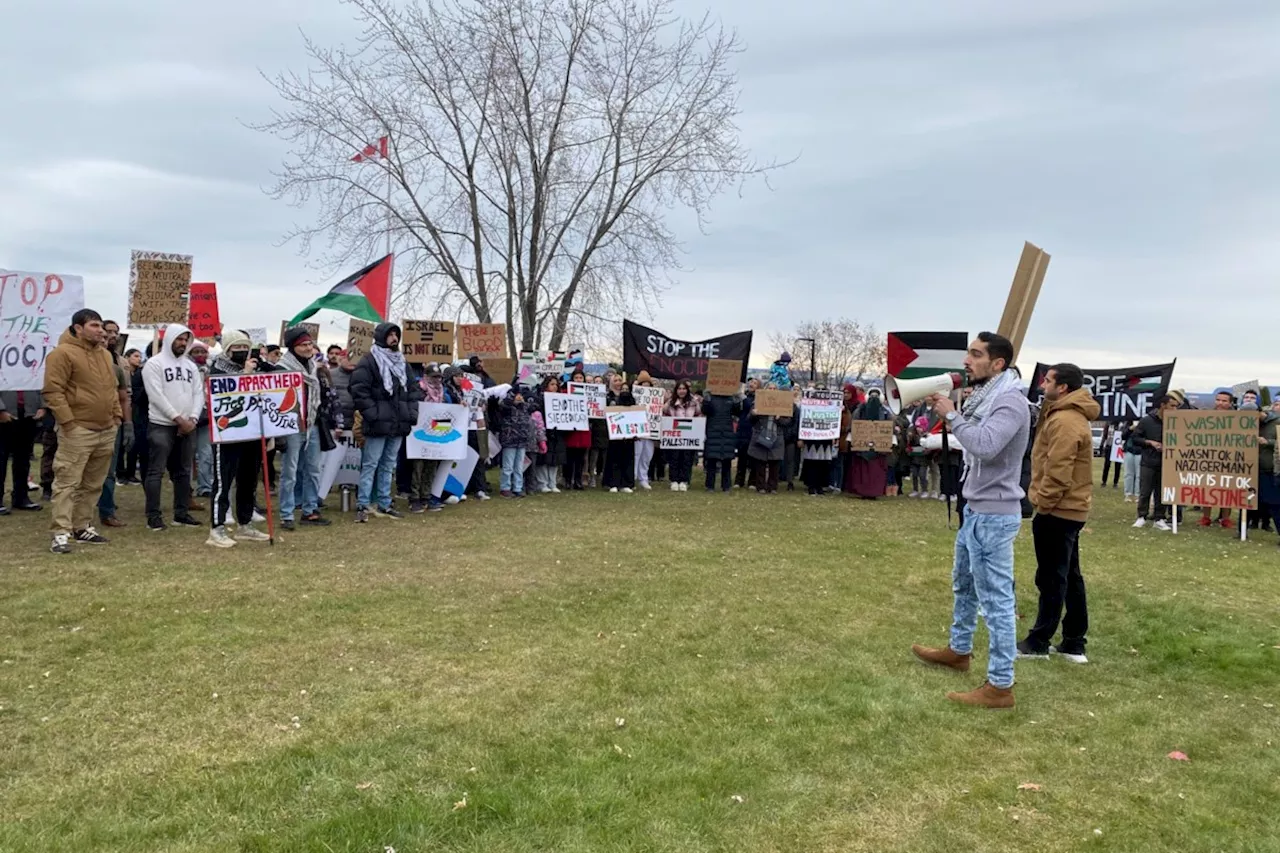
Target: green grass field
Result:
[594, 672]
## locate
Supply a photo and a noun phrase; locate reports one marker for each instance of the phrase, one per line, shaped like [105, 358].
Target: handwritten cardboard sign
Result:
[1210, 459]
[773, 402]
[313, 329]
[482, 339]
[500, 370]
[426, 341]
[871, 435]
[202, 310]
[359, 339]
[724, 376]
[158, 285]
[35, 309]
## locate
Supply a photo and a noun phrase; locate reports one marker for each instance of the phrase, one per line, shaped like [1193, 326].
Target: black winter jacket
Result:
[720, 412]
[382, 414]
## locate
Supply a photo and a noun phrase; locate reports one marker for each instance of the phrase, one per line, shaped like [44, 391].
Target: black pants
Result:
[240, 462]
[1106, 468]
[681, 463]
[17, 441]
[169, 451]
[1149, 492]
[139, 456]
[620, 465]
[575, 466]
[746, 469]
[658, 466]
[49, 451]
[725, 467]
[766, 474]
[817, 474]
[1060, 583]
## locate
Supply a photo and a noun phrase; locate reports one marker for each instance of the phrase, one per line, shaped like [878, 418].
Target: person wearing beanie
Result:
[780, 372]
[387, 401]
[175, 393]
[300, 470]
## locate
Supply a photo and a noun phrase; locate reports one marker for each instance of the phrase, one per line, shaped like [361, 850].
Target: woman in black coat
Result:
[721, 443]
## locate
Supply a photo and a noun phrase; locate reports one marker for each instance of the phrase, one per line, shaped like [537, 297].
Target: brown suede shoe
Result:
[985, 696]
[942, 657]
[112, 521]
[195, 506]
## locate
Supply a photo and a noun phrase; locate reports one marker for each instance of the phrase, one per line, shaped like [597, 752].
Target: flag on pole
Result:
[365, 294]
[913, 355]
[371, 151]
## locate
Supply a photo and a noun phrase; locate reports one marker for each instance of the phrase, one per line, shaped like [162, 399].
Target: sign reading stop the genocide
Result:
[1210, 459]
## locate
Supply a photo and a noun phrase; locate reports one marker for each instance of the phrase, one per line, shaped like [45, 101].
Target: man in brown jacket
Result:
[1062, 494]
[80, 390]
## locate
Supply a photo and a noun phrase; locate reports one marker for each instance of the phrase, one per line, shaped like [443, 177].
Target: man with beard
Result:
[238, 461]
[388, 405]
[993, 427]
[175, 394]
[124, 439]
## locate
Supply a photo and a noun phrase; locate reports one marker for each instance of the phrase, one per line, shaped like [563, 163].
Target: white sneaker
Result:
[914, 495]
[555, 490]
[218, 538]
[646, 487]
[614, 490]
[1077, 659]
[482, 496]
[684, 487]
[1162, 525]
[675, 487]
[462, 498]
[452, 500]
[246, 533]
[258, 517]
[1142, 522]
[626, 491]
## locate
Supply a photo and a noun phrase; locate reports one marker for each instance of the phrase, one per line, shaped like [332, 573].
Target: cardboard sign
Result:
[251, 406]
[359, 339]
[482, 339]
[158, 286]
[780, 404]
[597, 398]
[441, 432]
[653, 400]
[257, 335]
[566, 411]
[202, 311]
[724, 377]
[35, 309]
[313, 329]
[1210, 459]
[627, 422]
[871, 435]
[500, 370]
[819, 419]
[426, 341]
[684, 433]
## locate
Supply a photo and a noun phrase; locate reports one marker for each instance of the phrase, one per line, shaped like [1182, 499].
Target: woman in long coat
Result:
[868, 470]
[721, 445]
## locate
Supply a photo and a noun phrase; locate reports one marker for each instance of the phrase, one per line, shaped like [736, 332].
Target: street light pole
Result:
[813, 358]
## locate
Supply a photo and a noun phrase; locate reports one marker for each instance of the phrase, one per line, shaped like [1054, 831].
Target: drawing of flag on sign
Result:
[683, 433]
[912, 355]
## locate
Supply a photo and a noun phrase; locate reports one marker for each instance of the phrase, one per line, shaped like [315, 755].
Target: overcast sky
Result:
[1134, 140]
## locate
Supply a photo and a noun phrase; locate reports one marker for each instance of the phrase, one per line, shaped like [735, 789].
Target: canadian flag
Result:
[370, 151]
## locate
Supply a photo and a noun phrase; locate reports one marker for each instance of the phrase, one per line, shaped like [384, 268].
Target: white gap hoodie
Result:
[174, 385]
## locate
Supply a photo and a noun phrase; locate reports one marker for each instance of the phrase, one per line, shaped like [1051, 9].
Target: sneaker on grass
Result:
[1162, 525]
[1140, 523]
[1072, 657]
[388, 512]
[90, 536]
[187, 521]
[249, 533]
[1026, 652]
[219, 538]
[362, 515]
[61, 544]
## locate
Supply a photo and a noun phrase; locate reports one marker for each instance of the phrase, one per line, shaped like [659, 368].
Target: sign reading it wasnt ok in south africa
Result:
[1210, 459]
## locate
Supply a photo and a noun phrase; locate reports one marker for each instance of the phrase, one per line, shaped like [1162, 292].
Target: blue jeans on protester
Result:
[378, 467]
[300, 474]
[512, 470]
[983, 576]
[107, 501]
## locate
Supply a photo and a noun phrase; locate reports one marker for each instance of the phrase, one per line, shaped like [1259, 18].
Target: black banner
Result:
[666, 358]
[1124, 393]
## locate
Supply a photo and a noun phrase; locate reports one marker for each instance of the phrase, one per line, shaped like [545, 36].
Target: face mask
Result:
[239, 357]
[200, 358]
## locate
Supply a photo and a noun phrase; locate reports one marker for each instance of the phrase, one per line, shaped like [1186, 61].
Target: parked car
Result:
[1097, 440]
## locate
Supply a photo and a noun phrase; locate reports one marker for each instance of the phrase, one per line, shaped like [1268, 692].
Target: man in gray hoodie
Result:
[993, 427]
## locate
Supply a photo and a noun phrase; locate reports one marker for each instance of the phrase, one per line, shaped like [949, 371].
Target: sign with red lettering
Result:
[35, 309]
[1210, 459]
[250, 406]
[482, 339]
[202, 310]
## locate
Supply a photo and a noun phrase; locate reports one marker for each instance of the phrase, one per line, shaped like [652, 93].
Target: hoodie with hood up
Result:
[1062, 457]
[175, 386]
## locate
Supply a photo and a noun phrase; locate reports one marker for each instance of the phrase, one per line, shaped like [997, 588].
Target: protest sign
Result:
[473, 394]
[1241, 388]
[500, 370]
[340, 466]
[453, 475]
[158, 286]
[566, 411]
[202, 311]
[653, 400]
[1124, 393]
[597, 397]
[819, 418]
[1117, 448]
[250, 406]
[312, 329]
[35, 309]
[724, 376]
[257, 335]
[683, 433]
[441, 432]
[1210, 459]
[359, 339]
[627, 422]
[666, 358]
[426, 341]
[482, 339]
[535, 365]
[773, 402]
[871, 435]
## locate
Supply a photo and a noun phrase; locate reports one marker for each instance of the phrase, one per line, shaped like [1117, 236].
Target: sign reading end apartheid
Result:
[35, 309]
[683, 433]
[158, 285]
[666, 358]
[1125, 393]
[426, 341]
[254, 405]
[1210, 459]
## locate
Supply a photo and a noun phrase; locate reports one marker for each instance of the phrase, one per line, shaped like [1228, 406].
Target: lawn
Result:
[654, 672]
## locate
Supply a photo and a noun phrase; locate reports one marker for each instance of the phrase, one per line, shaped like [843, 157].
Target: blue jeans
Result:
[512, 470]
[204, 461]
[107, 501]
[300, 474]
[378, 466]
[983, 575]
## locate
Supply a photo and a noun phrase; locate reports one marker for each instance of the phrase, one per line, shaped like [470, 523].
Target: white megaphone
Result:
[900, 393]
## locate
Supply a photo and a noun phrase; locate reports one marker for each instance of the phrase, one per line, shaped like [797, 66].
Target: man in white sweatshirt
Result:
[175, 391]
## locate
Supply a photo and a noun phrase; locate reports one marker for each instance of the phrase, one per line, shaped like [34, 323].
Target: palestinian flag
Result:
[681, 424]
[912, 355]
[365, 295]
[1137, 384]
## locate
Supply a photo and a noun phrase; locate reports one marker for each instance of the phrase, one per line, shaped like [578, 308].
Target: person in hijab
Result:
[387, 402]
[869, 466]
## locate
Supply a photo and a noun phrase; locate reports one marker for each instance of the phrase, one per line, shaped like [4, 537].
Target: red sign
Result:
[202, 310]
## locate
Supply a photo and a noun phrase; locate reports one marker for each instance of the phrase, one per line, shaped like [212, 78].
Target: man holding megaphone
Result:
[993, 425]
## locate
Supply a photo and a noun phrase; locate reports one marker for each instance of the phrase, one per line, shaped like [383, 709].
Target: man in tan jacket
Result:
[80, 390]
[1062, 494]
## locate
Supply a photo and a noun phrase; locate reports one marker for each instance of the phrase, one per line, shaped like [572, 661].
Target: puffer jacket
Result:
[383, 414]
[720, 413]
[516, 428]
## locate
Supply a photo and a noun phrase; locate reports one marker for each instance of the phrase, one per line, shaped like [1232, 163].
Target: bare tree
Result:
[845, 349]
[535, 147]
